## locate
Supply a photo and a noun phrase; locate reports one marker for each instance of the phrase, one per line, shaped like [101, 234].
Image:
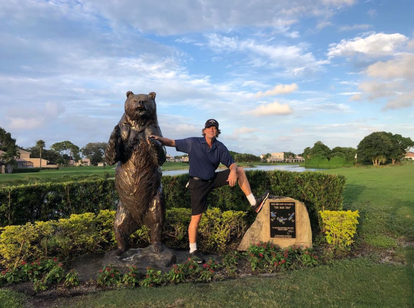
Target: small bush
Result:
[90, 233]
[339, 228]
[109, 276]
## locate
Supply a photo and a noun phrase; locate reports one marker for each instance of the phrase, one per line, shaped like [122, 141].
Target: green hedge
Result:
[42, 202]
[93, 233]
[22, 204]
[25, 170]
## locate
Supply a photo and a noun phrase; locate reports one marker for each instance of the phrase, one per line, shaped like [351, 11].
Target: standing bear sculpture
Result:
[138, 172]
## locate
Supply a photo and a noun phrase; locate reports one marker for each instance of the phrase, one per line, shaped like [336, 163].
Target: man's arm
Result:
[232, 179]
[164, 141]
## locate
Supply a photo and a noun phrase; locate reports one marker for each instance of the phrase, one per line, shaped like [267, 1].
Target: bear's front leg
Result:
[157, 151]
[112, 153]
[155, 220]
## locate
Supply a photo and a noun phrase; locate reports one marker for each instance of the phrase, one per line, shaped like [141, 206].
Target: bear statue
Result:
[138, 172]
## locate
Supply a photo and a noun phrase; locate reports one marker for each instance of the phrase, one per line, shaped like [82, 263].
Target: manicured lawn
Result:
[345, 283]
[385, 198]
[382, 277]
[69, 173]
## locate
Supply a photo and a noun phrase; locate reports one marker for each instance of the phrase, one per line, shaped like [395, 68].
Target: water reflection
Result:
[293, 168]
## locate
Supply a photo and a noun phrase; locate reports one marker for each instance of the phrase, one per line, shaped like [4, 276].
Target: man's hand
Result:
[232, 179]
[163, 140]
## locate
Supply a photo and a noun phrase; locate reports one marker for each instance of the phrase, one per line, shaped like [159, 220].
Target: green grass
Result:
[69, 174]
[385, 198]
[11, 299]
[345, 283]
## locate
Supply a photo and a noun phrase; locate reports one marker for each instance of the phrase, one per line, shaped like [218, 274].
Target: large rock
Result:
[282, 221]
[142, 258]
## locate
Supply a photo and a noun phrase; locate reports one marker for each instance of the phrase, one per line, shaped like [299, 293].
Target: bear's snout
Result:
[140, 106]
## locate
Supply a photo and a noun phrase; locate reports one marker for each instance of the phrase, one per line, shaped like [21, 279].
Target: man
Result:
[206, 153]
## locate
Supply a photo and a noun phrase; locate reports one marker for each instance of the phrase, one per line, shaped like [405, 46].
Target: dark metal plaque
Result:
[282, 220]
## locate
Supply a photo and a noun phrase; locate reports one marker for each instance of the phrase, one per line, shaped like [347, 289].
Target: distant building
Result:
[279, 157]
[409, 156]
[83, 162]
[25, 161]
[185, 159]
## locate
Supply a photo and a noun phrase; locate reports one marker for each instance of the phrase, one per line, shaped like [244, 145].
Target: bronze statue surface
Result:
[138, 173]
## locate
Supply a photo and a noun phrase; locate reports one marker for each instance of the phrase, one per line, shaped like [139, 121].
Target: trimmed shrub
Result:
[339, 228]
[91, 233]
[47, 201]
[42, 202]
[25, 170]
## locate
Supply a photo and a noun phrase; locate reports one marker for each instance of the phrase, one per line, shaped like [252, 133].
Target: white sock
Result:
[193, 247]
[251, 199]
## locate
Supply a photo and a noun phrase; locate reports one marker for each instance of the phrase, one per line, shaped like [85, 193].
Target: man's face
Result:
[211, 132]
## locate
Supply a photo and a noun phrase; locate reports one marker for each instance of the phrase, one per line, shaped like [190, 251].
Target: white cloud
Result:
[323, 24]
[339, 2]
[214, 15]
[402, 66]
[294, 59]
[372, 13]
[374, 45]
[404, 100]
[392, 80]
[278, 90]
[274, 108]
[19, 123]
[245, 130]
[355, 27]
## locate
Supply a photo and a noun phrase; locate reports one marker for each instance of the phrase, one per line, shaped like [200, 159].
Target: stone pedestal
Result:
[282, 221]
[141, 258]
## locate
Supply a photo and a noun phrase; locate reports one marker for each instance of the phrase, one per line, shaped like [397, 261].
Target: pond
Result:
[293, 168]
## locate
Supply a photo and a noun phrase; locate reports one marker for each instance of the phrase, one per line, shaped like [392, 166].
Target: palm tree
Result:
[40, 144]
[9, 158]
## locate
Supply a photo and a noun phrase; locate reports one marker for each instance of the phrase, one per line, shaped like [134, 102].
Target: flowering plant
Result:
[132, 277]
[108, 276]
[208, 271]
[152, 278]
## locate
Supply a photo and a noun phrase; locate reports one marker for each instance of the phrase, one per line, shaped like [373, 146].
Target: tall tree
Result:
[401, 146]
[68, 148]
[346, 152]
[320, 150]
[40, 144]
[376, 147]
[95, 151]
[10, 149]
[289, 155]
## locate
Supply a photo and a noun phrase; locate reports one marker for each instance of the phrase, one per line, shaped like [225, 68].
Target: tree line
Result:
[59, 153]
[376, 148]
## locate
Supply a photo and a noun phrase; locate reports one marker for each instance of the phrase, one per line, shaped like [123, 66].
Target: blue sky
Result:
[277, 75]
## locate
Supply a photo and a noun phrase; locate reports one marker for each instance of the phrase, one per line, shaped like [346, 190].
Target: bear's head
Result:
[139, 107]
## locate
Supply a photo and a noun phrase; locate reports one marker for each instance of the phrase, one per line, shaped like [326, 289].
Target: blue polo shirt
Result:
[203, 160]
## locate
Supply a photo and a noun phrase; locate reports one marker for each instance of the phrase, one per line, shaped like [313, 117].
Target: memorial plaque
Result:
[282, 220]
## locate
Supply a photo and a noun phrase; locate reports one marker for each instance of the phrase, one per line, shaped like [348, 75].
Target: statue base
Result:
[142, 258]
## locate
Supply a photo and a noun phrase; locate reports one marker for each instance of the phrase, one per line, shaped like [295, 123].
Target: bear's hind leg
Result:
[155, 220]
[124, 226]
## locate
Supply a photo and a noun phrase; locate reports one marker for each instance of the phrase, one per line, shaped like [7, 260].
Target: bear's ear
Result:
[152, 95]
[129, 93]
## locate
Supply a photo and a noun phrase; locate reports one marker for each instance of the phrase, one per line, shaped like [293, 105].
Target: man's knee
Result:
[241, 172]
[195, 219]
